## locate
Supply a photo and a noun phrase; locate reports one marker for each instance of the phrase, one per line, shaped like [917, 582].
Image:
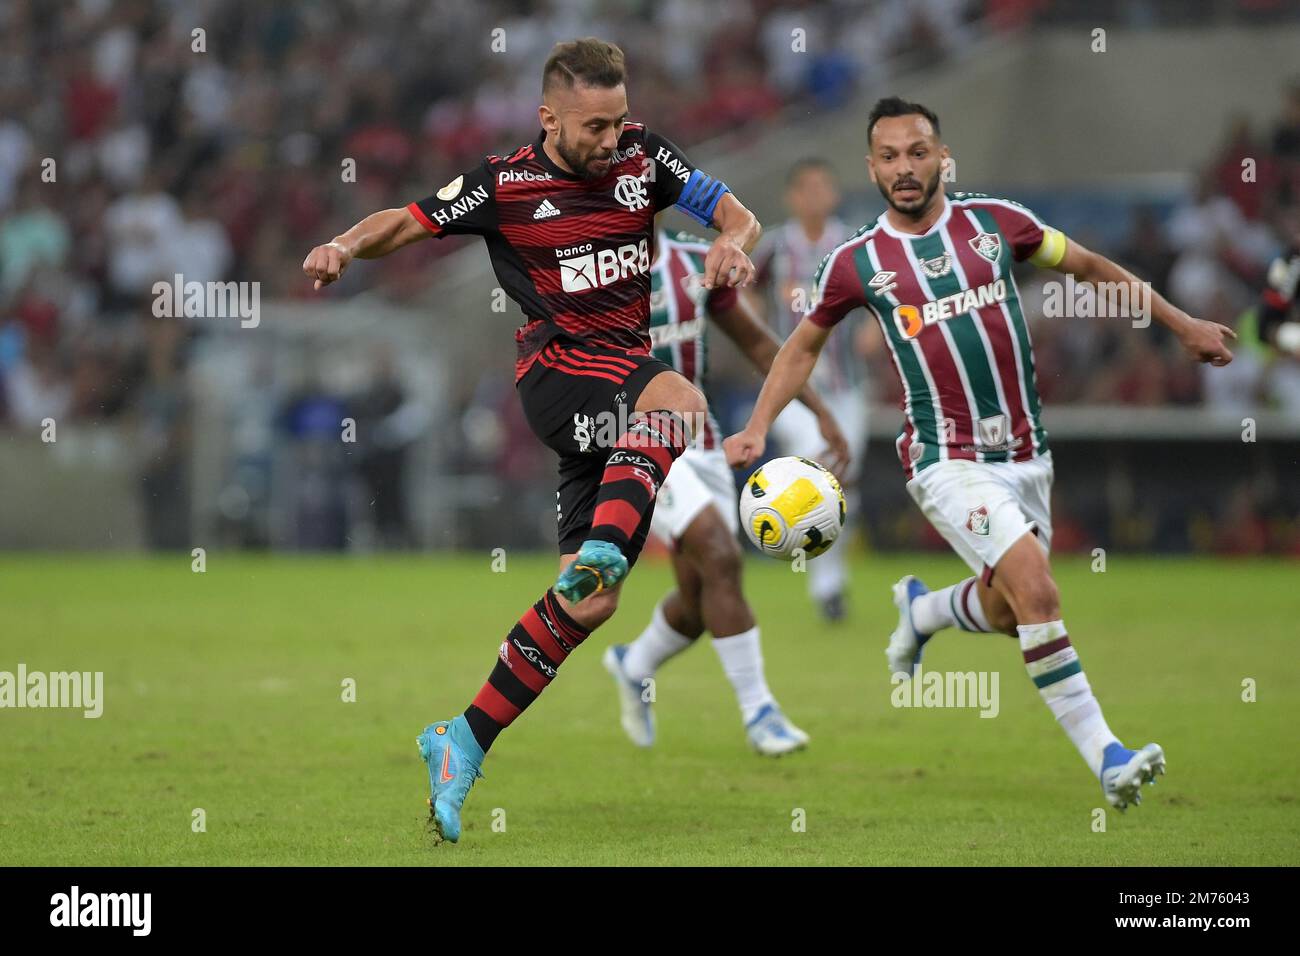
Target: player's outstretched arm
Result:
[377, 235]
[789, 374]
[760, 345]
[1204, 341]
[728, 263]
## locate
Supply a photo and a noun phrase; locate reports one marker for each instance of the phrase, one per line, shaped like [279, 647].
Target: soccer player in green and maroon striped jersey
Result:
[935, 272]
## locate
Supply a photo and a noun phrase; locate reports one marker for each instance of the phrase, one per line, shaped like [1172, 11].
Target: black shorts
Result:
[578, 400]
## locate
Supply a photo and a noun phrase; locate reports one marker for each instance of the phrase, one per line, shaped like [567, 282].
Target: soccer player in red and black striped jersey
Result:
[568, 221]
[935, 272]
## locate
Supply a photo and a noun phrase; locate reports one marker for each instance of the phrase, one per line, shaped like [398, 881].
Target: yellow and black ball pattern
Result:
[792, 506]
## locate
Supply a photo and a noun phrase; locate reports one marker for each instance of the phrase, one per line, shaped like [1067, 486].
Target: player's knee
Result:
[689, 402]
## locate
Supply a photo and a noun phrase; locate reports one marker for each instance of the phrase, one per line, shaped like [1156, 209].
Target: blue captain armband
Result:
[700, 196]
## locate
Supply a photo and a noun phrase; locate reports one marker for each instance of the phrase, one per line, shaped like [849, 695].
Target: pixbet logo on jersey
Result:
[910, 319]
[602, 267]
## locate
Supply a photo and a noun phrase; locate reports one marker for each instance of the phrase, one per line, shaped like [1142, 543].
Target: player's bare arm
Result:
[1204, 341]
[728, 261]
[790, 372]
[760, 345]
[377, 235]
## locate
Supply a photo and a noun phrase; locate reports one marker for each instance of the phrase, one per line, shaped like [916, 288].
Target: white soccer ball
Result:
[792, 506]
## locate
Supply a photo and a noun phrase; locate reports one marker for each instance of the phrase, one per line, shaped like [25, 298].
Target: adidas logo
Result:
[545, 210]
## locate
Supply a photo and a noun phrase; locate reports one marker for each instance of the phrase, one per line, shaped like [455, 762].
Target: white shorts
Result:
[982, 508]
[698, 479]
[796, 432]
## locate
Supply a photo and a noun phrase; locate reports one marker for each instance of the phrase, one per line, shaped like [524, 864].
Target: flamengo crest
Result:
[631, 192]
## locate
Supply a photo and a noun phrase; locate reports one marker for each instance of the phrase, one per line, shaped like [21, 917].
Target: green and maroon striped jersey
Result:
[679, 311]
[950, 311]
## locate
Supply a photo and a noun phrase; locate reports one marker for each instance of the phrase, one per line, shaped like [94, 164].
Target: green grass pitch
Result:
[223, 691]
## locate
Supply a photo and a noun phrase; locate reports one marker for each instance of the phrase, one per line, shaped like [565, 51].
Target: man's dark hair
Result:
[588, 61]
[897, 106]
[809, 164]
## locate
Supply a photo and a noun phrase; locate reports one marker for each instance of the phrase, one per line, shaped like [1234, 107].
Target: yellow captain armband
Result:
[1052, 250]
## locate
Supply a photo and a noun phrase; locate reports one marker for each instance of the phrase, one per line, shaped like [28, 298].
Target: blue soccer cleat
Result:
[598, 566]
[772, 734]
[636, 713]
[454, 758]
[1123, 772]
[906, 643]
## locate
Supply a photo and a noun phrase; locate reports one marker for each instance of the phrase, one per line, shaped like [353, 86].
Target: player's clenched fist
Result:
[326, 263]
[744, 448]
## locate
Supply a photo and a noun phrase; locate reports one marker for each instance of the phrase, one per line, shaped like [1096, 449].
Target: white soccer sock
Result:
[1054, 667]
[742, 661]
[657, 643]
[957, 605]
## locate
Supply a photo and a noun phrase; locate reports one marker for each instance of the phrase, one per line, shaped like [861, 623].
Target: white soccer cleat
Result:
[772, 734]
[905, 644]
[1123, 772]
[637, 714]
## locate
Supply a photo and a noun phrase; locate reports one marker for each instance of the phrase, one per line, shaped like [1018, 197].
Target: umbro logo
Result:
[882, 281]
[545, 210]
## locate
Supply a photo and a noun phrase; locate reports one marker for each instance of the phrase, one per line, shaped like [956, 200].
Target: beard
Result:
[578, 161]
[915, 207]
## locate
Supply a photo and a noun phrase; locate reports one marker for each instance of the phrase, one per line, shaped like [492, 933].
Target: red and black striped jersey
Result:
[574, 252]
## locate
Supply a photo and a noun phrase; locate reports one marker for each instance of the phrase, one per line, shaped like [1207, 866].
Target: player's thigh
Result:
[711, 545]
[973, 509]
[690, 582]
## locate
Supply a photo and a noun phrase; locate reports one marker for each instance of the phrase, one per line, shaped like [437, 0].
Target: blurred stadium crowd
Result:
[227, 166]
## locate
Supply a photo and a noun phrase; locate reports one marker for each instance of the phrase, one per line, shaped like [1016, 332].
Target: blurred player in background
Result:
[1277, 317]
[695, 511]
[787, 260]
[936, 272]
[568, 220]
